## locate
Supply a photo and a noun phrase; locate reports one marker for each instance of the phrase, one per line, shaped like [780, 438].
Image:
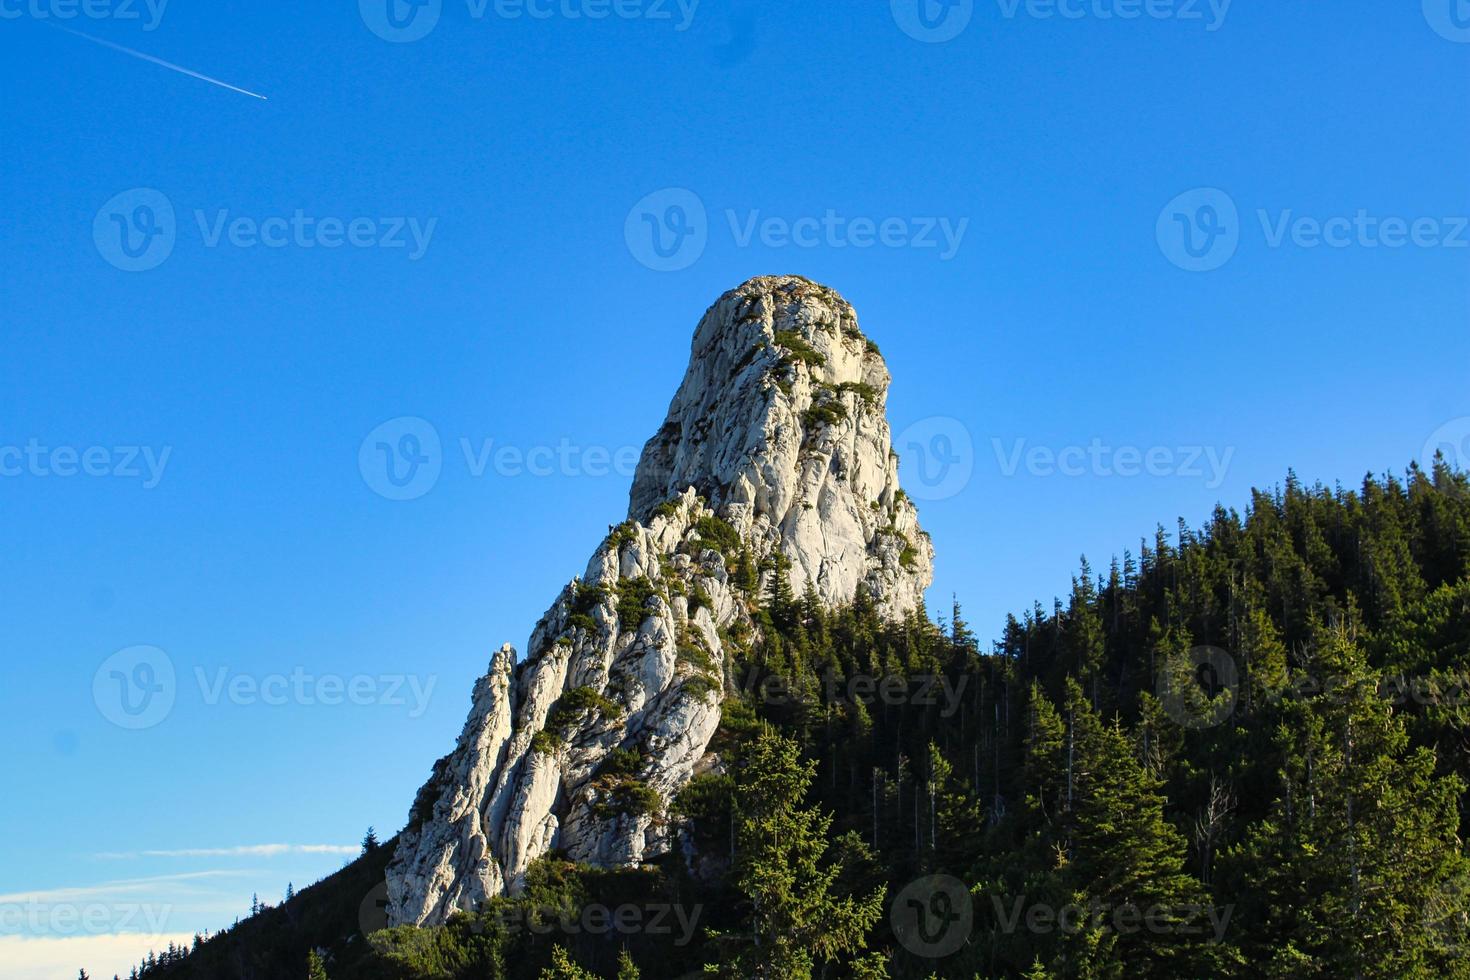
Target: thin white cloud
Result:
[244, 850]
[128, 886]
[29, 958]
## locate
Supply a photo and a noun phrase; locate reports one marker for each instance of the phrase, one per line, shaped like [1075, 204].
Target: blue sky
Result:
[448, 229]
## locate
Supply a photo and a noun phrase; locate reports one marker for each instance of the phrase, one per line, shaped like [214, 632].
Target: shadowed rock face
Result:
[775, 442]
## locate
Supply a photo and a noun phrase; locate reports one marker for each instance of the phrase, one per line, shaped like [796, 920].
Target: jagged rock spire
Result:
[775, 442]
[780, 423]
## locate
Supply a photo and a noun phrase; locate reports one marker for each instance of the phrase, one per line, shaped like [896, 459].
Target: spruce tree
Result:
[794, 918]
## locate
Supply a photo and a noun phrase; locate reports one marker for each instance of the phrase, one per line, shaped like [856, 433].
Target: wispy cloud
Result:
[30, 958]
[244, 850]
[109, 889]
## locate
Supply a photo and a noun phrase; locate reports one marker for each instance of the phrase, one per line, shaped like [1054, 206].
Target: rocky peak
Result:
[776, 443]
[780, 423]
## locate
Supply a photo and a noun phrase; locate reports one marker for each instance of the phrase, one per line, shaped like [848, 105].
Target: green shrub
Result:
[700, 686]
[621, 764]
[862, 389]
[629, 797]
[574, 703]
[798, 350]
[586, 597]
[624, 533]
[827, 413]
[704, 797]
[720, 535]
[633, 596]
[699, 598]
[547, 743]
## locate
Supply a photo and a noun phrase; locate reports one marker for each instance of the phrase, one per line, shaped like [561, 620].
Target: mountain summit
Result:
[775, 462]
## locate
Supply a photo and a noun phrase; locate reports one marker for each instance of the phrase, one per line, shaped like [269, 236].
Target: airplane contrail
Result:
[158, 61]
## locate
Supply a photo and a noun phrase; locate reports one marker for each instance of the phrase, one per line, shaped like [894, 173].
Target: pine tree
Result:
[1362, 840]
[794, 917]
[564, 968]
[1124, 856]
[315, 968]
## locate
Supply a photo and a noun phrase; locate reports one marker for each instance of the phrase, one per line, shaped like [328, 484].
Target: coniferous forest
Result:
[1240, 750]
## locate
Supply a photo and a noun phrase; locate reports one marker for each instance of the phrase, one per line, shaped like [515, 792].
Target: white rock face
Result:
[792, 445]
[778, 435]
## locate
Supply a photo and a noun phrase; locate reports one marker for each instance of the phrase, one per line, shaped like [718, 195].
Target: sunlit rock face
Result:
[776, 441]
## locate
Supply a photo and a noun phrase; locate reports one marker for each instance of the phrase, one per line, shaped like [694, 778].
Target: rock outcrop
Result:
[775, 458]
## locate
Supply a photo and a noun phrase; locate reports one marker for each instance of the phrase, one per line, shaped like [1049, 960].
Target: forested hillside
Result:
[1241, 751]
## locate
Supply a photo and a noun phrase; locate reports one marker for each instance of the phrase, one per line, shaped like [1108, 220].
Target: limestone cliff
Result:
[776, 444]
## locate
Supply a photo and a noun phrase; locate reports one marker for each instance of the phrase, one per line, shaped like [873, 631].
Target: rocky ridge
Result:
[775, 458]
